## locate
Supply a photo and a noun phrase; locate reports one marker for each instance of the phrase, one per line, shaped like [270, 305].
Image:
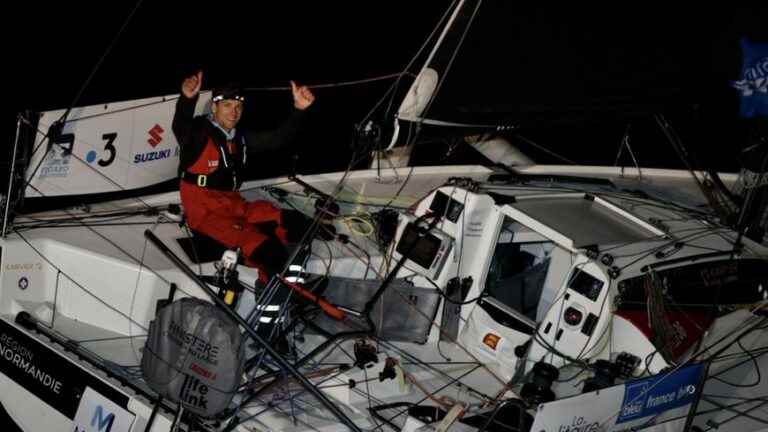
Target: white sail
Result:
[106, 148]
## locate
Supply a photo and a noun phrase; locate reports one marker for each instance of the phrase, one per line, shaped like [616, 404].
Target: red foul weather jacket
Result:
[211, 169]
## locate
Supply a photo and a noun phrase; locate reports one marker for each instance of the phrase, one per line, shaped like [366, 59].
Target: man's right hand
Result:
[191, 85]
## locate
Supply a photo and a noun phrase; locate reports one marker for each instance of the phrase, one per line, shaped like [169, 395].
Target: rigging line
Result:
[337, 84]
[677, 145]
[546, 150]
[133, 299]
[428, 366]
[443, 332]
[625, 143]
[73, 224]
[745, 324]
[95, 220]
[194, 248]
[301, 392]
[740, 414]
[400, 190]
[460, 238]
[55, 298]
[163, 100]
[753, 358]
[62, 119]
[759, 351]
[101, 60]
[692, 234]
[689, 360]
[97, 298]
[444, 75]
[370, 402]
[11, 177]
[33, 222]
[429, 395]
[28, 181]
[116, 246]
[406, 70]
[649, 252]
[625, 195]
[276, 406]
[91, 214]
[107, 339]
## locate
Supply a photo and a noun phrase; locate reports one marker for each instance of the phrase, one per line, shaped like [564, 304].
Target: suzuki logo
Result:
[100, 422]
[155, 135]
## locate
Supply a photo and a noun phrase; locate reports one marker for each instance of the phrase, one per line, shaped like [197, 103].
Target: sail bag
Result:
[194, 355]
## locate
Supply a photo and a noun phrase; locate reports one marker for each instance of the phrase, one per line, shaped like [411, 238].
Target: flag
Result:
[753, 83]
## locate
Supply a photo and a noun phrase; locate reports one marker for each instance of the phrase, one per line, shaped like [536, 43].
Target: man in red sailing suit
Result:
[213, 155]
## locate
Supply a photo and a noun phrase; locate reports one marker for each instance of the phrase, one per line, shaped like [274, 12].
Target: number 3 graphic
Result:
[110, 147]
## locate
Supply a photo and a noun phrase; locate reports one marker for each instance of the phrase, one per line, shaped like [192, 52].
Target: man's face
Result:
[227, 112]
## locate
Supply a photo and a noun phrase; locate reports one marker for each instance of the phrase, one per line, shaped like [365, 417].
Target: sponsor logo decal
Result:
[656, 394]
[56, 162]
[100, 421]
[194, 392]
[23, 283]
[491, 340]
[97, 413]
[579, 424]
[24, 266]
[155, 135]
[203, 372]
[109, 147]
[155, 138]
[54, 380]
[201, 349]
[22, 358]
[151, 156]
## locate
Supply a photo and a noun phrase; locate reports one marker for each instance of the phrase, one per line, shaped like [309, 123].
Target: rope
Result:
[397, 75]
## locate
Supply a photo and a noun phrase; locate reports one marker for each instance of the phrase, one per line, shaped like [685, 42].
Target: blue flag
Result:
[753, 85]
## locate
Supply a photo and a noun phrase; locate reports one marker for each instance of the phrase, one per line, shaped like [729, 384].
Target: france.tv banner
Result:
[662, 398]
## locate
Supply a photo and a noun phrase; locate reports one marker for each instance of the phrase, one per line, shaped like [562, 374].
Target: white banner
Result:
[663, 400]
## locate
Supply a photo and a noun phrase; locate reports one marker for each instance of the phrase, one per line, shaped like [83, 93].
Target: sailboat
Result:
[516, 297]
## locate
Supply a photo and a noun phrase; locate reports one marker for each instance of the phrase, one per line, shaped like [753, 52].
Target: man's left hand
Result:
[302, 96]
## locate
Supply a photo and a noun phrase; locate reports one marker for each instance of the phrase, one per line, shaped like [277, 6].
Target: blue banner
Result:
[753, 83]
[659, 393]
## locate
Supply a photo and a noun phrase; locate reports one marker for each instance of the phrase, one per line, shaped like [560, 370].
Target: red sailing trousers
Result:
[226, 217]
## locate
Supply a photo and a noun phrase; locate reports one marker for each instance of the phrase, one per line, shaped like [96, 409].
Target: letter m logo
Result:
[101, 422]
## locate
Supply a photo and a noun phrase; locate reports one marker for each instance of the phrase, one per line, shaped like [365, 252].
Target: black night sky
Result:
[576, 76]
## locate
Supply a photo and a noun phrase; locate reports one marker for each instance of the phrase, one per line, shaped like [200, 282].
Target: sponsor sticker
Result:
[56, 163]
[96, 413]
[23, 266]
[52, 378]
[491, 340]
[656, 394]
[151, 156]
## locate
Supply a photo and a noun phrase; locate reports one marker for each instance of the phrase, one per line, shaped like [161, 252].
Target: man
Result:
[213, 156]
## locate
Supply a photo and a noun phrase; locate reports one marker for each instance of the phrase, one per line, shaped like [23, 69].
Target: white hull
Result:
[99, 285]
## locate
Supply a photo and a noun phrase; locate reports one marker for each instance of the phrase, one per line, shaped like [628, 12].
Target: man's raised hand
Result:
[302, 96]
[191, 85]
